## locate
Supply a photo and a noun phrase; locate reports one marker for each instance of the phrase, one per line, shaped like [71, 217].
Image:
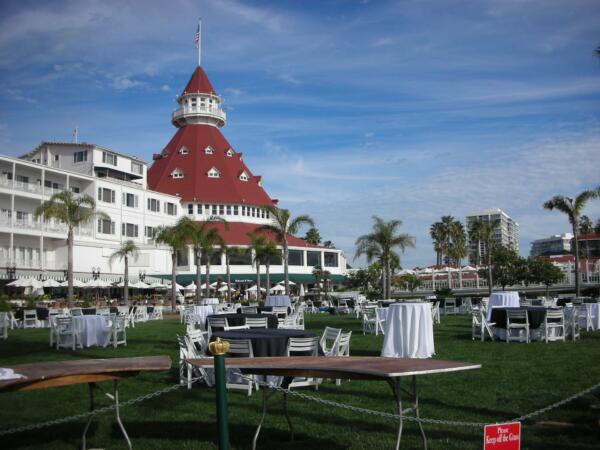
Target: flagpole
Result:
[199, 42]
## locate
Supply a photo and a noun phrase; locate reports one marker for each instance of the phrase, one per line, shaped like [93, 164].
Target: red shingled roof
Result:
[237, 234]
[199, 83]
[195, 184]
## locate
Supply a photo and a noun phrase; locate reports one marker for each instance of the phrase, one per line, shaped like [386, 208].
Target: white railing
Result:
[5, 182]
[28, 187]
[214, 112]
[27, 224]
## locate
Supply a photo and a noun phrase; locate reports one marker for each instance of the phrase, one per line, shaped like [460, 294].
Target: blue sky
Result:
[409, 110]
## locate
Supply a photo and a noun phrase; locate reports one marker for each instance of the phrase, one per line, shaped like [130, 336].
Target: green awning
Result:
[185, 279]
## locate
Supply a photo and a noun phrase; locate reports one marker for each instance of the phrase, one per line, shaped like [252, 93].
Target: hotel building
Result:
[506, 234]
[198, 174]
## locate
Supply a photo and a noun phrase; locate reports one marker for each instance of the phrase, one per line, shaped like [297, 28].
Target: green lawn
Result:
[515, 379]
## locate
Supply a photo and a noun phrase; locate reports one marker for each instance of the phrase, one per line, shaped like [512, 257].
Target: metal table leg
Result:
[395, 385]
[416, 406]
[285, 383]
[116, 397]
[89, 421]
[262, 418]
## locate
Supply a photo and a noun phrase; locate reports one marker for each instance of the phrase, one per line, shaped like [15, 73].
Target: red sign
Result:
[502, 436]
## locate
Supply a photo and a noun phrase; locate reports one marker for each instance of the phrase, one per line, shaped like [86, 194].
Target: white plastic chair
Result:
[257, 322]
[66, 334]
[480, 325]
[216, 322]
[303, 347]
[329, 341]
[450, 306]
[241, 348]
[4, 325]
[517, 319]
[554, 320]
[249, 310]
[30, 319]
[118, 327]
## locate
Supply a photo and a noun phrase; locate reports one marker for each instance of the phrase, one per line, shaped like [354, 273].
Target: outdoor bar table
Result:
[502, 299]
[237, 320]
[94, 330]
[535, 315]
[408, 331]
[88, 371]
[265, 341]
[390, 370]
[278, 300]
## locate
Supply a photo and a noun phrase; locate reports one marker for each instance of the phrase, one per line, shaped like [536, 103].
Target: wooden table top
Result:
[64, 373]
[354, 367]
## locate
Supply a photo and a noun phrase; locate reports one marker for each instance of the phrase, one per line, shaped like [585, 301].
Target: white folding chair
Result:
[554, 325]
[584, 315]
[257, 322]
[76, 312]
[517, 319]
[30, 319]
[66, 334]
[235, 380]
[330, 341]
[249, 310]
[303, 347]
[4, 325]
[216, 322]
[435, 312]
[118, 330]
[450, 306]
[480, 325]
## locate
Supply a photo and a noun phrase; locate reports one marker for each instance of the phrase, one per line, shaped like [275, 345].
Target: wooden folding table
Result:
[390, 370]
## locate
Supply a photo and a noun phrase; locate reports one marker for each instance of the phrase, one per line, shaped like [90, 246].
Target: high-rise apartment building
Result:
[506, 233]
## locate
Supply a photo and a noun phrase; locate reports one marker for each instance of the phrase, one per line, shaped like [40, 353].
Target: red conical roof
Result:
[199, 83]
[196, 185]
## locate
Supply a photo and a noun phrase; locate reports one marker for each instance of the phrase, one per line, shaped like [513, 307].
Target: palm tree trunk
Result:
[489, 268]
[207, 276]
[383, 282]
[70, 266]
[268, 277]
[228, 277]
[257, 281]
[198, 254]
[388, 278]
[126, 281]
[173, 280]
[575, 236]
[286, 274]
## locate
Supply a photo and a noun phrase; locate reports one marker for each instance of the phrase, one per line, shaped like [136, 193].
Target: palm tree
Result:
[269, 252]
[196, 234]
[483, 231]
[283, 225]
[73, 212]
[128, 249]
[256, 248]
[437, 235]
[173, 237]
[313, 236]
[230, 251]
[381, 242]
[447, 224]
[210, 246]
[572, 208]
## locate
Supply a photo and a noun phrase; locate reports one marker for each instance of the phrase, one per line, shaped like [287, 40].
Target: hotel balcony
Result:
[199, 115]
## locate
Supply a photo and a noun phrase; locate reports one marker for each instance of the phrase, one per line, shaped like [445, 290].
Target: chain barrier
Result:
[420, 419]
[87, 414]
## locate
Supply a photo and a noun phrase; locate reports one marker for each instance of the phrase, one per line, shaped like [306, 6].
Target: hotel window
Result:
[268, 214]
[36, 160]
[129, 229]
[171, 209]
[193, 102]
[244, 176]
[177, 173]
[137, 168]
[331, 259]
[56, 158]
[244, 259]
[149, 232]
[208, 150]
[106, 195]
[313, 259]
[243, 210]
[235, 210]
[228, 210]
[184, 150]
[75, 190]
[213, 173]
[109, 158]
[214, 210]
[153, 205]
[229, 153]
[190, 208]
[262, 213]
[80, 156]
[221, 210]
[207, 209]
[253, 212]
[199, 208]
[130, 200]
[106, 226]
[296, 258]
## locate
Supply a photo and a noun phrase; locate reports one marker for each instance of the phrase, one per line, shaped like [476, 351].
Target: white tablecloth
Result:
[503, 299]
[209, 301]
[203, 311]
[278, 300]
[94, 330]
[408, 331]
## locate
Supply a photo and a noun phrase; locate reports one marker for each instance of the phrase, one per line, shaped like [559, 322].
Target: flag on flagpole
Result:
[197, 39]
[75, 135]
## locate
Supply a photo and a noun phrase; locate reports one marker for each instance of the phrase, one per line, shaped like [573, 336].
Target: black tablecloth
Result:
[237, 320]
[88, 311]
[265, 342]
[535, 314]
[564, 301]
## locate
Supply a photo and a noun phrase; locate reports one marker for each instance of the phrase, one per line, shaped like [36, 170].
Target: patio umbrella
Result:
[291, 283]
[158, 285]
[278, 288]
[31, 283]
[204, 286]
[98, 283]
[191, 287]
[301, 290]
[253, 289]
[76, 283]
[139, 285]
[224, 289]
[17, 282]
[51, 283]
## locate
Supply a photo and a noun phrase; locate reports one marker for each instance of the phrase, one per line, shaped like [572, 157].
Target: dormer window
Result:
[229, 153]
[183, 150]
[243, 176]
[177, 173]
[213, 173]
[208, 150]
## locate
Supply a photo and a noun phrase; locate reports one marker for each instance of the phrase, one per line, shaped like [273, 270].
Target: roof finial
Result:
[199, 42]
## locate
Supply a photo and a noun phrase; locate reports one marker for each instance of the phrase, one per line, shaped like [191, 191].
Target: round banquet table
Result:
[94, 330]
[408, 331]
[278, 300]
[203, 311]
[237, 320]
[509, 299]
[265, 342]
[535, 315]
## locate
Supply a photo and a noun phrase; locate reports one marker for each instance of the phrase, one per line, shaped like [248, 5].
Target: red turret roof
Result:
[196, 184]
[199, 83]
